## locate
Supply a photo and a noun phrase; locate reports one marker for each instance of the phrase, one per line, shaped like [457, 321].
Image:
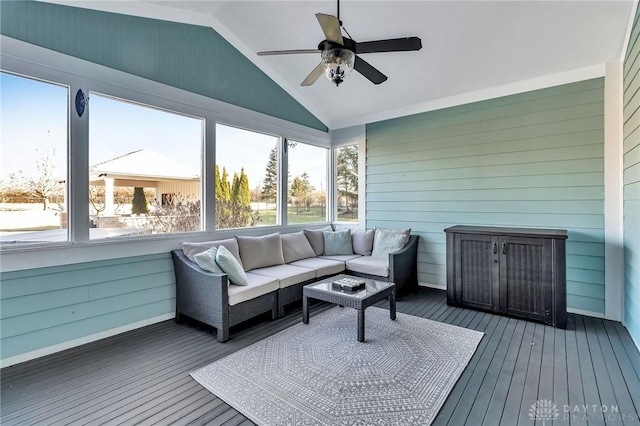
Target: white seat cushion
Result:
[287, 275]
[322, 267]
[258, 285]
[370, 265]
[341, 257]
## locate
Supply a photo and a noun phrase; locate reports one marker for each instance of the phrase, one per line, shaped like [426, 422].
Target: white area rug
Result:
[319, 374]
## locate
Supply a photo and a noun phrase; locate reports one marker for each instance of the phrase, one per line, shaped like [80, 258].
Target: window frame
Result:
[30, 61]
[66, 187]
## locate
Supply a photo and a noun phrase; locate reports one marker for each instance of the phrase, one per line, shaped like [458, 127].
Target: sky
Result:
[33, 118]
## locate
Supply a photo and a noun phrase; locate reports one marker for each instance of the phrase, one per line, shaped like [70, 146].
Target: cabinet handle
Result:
[504, 248]
[495, 248]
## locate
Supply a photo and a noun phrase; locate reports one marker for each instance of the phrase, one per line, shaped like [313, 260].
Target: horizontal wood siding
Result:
[47, 306]
[631, 182]
[534, 159]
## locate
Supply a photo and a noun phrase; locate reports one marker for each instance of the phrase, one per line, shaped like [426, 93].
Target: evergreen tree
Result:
[245, 192]
[225, 190]
[218, 184]
[139, 203]
[270, 183]
[235, 189]
[347, 168]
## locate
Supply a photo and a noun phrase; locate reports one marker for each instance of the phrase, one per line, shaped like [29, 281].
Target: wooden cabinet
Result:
[511, 271]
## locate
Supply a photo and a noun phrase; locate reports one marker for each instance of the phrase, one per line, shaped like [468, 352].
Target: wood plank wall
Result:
[631, 182]
[533, 159]
[48, 306]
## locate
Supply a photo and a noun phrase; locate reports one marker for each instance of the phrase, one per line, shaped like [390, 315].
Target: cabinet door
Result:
[477, 271]
[526, 278]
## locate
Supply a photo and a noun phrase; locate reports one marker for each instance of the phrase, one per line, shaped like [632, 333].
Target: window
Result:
[144, 169]
[307, 196]
[347, 183]
[246, 178]
[33, 170]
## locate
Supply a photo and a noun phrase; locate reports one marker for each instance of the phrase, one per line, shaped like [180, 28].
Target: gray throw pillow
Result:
[230, 265]
[362, 241]
[337, 243]
[191, 249]
[207, 261]
[295, 246]
[260, 252]
[388, 241]
[316, 239]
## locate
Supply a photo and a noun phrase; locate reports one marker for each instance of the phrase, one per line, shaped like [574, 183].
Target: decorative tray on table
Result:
[349, 284]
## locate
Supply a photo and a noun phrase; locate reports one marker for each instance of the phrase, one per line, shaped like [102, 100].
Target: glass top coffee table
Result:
[373, 292]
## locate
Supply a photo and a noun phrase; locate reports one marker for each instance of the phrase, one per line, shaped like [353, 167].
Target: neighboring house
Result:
[147, 169]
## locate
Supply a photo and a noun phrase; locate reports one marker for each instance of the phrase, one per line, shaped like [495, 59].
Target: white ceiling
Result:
[468, 46]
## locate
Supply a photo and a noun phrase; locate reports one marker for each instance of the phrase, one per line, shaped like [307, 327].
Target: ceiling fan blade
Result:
[287, 52]
[313, 76]
[367, 70]
[391, 45]
[331, 27]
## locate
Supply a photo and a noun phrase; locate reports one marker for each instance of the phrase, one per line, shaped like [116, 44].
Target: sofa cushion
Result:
[191, 249]
[370, 265]
[230, 265]
[389, 241]
[258, 285]
[337, 242]
[341, 258]
[207, 261]
[262, 251]
[295, 246]
[362, 241]
[316, 239]
[323, 267]
[287, 275]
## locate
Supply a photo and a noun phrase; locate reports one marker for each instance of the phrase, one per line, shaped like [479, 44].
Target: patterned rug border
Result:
[371, 312]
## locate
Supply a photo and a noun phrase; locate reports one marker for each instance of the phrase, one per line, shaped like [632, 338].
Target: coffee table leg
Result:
[305, 310]
[392, 305]
[361, 325]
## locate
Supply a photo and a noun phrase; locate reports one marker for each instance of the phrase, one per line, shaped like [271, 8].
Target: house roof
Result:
[472, 50]
[144, 164]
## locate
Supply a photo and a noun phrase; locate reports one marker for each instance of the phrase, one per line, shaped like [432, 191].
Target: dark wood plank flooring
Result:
[142, 377]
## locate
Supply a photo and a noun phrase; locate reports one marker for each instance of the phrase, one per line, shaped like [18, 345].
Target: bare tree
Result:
[43, 185]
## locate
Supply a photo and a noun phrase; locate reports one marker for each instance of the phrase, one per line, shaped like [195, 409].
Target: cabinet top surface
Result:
[496, 230]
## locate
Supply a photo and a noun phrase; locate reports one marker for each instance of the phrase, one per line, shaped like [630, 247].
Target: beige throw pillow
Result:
[296, 246]
[362, 241]
[260, 252]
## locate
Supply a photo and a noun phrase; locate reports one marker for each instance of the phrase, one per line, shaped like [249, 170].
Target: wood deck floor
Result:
[142, 377]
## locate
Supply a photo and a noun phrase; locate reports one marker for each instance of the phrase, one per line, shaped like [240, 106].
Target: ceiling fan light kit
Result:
[339, 54]
[338, 64]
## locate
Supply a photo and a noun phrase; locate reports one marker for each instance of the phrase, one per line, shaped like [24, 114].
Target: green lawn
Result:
[315, 215]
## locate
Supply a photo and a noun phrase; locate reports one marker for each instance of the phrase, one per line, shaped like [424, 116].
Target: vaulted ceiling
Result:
[469, 47]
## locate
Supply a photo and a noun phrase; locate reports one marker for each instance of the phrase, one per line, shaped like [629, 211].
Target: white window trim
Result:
[348, 136]
[33, 61]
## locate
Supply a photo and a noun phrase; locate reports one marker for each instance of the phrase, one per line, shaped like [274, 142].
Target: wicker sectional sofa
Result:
[276, 274]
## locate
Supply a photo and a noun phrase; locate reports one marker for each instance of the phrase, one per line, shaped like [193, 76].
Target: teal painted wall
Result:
[534, 159]
[188, 57]
[631, 182]
[44, 307]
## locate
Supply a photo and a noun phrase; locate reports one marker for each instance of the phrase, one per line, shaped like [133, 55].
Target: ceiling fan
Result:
[340, 54]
